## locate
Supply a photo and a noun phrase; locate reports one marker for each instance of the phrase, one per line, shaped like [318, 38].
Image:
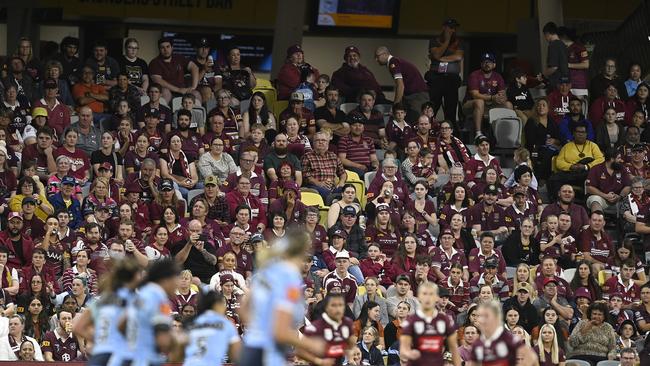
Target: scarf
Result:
[182, 160]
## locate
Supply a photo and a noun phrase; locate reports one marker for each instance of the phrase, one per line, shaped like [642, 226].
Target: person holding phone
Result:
[197, 253]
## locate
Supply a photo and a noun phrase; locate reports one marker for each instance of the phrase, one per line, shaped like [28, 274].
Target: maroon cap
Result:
[549, 280]
[446, 232]
[132, 187]
[293, 49]
[350, 49]
[226, 278]
[106, 165]
[13, 215]
[332, 284]
[583, 292]
[291, 185]
[340, 233]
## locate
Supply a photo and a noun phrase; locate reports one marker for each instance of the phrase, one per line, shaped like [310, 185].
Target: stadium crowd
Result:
[111, 157]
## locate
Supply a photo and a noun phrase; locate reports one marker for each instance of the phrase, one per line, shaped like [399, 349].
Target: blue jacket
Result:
[74, 210]
[566, 133]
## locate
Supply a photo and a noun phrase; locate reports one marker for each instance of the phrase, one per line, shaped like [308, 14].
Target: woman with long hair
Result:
[184, 294]
[36, 319]
[373, 293]
[348, 198]
[585, 278]
[299, 144]
[522, 274]
[370, 316]
[78, 159]
[639, 102]
[542, 138]
[37, 288]
[97, 197]
[106, 312]
[216, 162]
[512, 317]
[273, 308]
[258, 112]
[108, 154]
[287, 174]
[166, 197]
[609, 133]
[133, 158]
[423, 207]
[463, 237]
[158, 246]
[425, 239]
[277, 228]
[179, 167]
[623, 253]
[229, 267]
[393, 329]
[80, 268]
[171, 220]
[550, 317]
[383, 232]
[459, 201]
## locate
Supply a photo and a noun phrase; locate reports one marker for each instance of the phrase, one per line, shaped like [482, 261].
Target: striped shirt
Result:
[357, 150]
[598, 249]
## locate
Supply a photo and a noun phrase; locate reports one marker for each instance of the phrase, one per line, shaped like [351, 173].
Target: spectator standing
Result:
[133, 66]
[578, 58]
[68, 57]
[557, 59]
[353, 77]
[168, 70]
[289, 74]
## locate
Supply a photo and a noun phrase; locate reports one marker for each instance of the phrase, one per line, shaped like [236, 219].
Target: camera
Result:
[388, 192]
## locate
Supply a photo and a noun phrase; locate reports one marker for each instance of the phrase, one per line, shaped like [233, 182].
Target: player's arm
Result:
[405, 350]
[526, 356]
[82, 325]
[234, 349]
[452, 346]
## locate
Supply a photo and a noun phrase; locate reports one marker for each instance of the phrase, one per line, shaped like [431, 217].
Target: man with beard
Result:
[19, 245]
[97, 250]
[163, 113]
[571, 119]
[247, 169]
[145, 180]
[487, 216]
[632, 140]
[168, 70]
[607, 183]
[357, 151]
[575, 160]
[134, 248]
[565, 204]
[106, 68]
[216, 200]
[190, 140]
[280, 155]
[373, 120]
[330, 116]
[594, 242]
[353, 77]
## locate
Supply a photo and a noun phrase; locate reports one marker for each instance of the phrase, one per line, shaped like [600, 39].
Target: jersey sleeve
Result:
[407, 326]
[287, 291]
[395, 69]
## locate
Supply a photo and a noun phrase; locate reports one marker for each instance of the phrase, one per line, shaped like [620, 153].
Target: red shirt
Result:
[410, 75]
[458, 294]
[597, 110]
[577, 53]
[357, 150]
[558, 105]
[79, 162]
[388, 241]
[485, 85]
[600, 250]
[476, 260]
[600, 178]
[32, 153]
[172, 71]
[476, 215]
[443, 261]
[500, 350]
[474, 167]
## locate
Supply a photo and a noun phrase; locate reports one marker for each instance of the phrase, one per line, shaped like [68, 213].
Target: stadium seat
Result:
[608, 363]
[263, 84]
[177, 103]
[354, 179]
[348, 107]
[352, 176]
[576, 363]
[568, 274]
[144, 99]
[368, 177]
[193, 193]
[506, 126]
[279, 106]
[270, 93]
[601, 278]
[323, 210]
[311, 199]
[537, 93]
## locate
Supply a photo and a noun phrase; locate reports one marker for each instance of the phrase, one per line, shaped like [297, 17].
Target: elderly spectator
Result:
[630, 205]
[410, 87]
[611, 99]
[485, 89]
[353, 77]
[573, 118]
[231, 117]
[197, 253]
[133, 66]
[163, 112]
[88, 136]
[247, 168]
[89, 94]
[607, 183]
[357, 151]
[607, 76]
[575, 160]
[389, 172]
[65, 201]
[79, 160]
[289, 74]
[593, 339]
[594, 242]
[321, 168]
[242, 194]
[164, 70]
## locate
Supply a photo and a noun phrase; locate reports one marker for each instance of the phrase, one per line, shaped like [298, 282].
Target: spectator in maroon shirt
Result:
[353, 77]
[559, 100]
[566, 203]
[607, 183]
[168, 70]
[357, 151]
[485, 88]
[594, 243]
[60, 344]
[611, 99]
[289, 74]
[42, 153]
[410, 87]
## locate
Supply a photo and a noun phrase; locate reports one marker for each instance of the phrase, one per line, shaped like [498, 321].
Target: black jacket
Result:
[528, 315]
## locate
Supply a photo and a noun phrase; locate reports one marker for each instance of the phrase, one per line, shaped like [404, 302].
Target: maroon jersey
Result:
[493, 220]
[179, 300]
[335, 334]
[62, 350]
[429, 336]
[388, 241]
[499, 350]
[318, 237]
[348, 285]
[600, 250]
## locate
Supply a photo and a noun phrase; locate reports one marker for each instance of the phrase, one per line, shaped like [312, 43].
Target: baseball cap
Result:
[446, 232]
[340, 233]
[256, 238]
[349, 211]
[106, 165]
[356, 118]
[292, 186]
[331, 284]
[491, 262]
[226, 278]
[350, 49]
[565, 80]
[28, 199]
[293, 49]
[402, 277]
[297, 97]
[549, 280]
[443, 292]
[343, 254]
[14, 215]
[102, 206]
[451, 22]
[519, 191]
[203, 42]
[153, 113]
[50, 83]
[211, 179]
[583, 292]
[68, 180]
[524, 286]
[166, 185]
[39, 112]
[382, 207]
[490, 189]
[480, 139]
[488, 56]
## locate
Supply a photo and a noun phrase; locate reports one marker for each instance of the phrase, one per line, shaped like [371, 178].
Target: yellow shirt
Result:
[570, 154]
